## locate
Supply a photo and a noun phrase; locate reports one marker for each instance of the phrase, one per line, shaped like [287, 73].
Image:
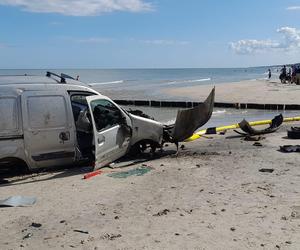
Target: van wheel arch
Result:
[15, 165]
[140, 147]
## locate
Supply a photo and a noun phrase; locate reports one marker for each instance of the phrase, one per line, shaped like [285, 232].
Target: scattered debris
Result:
[253, 138]
[209, 153]
[27, 236]
[17, 201]
[232, 229]
[266, 170]
[290, 148]
[296, 212]
[92, 174]
[294, 133]
[223, 132]
[137, 172]
[163, 212]
[257, 144]
[111, 236]
[80, 231]
[37, 225]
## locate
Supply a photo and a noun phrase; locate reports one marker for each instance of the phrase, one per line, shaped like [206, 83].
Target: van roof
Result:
[40, 83]
[25, 79]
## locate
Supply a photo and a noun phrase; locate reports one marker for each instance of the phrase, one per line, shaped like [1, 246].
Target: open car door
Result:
[112, 130]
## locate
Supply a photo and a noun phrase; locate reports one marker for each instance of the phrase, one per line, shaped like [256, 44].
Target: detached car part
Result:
[249, 130]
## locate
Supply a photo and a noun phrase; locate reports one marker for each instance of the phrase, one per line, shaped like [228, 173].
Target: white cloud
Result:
[290, 41]
[293, 8]
[80, 7]
[165, 42]
[250, 46]
[291, 37]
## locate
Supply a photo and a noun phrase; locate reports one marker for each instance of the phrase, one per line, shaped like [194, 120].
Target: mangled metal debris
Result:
[249, 130]
[290, 148]
[294, 133]
[189, 120]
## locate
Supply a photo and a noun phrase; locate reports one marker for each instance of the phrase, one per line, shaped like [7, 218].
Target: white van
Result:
[55, 120]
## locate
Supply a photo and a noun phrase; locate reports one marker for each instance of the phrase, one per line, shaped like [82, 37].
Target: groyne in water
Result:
[181, 104]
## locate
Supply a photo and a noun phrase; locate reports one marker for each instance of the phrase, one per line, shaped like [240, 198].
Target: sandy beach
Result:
[252, 91]
[211, 196]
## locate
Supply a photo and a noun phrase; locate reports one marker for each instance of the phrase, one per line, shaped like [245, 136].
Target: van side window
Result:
[106, 114]
[47, 112]
[8, 114]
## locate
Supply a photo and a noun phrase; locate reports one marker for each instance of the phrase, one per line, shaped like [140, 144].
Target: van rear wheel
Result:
[14, 166]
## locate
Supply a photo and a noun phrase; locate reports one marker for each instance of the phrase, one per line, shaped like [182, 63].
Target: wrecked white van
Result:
[55, 120]
[48, 122]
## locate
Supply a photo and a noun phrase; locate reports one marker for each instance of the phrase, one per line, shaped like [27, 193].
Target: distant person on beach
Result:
[282, 76]
[289, 75]
[283, 70]
[77, 77]
[269, 74]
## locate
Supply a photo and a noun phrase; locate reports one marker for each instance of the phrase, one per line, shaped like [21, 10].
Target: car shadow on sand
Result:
[11, 178]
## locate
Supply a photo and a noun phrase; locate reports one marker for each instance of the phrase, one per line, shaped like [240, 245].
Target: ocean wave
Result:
[106, 83]
[219, 112]
[188, 81]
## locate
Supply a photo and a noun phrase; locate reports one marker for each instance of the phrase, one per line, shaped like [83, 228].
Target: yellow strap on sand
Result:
[198, 134]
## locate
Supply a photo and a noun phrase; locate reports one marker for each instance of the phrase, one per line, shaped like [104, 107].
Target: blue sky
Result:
[148, 33]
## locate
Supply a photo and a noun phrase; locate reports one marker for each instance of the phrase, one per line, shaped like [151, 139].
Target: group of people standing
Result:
[287, 75]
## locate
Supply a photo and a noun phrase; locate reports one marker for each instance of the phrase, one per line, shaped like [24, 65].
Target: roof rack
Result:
[67, 76]
[62, 77]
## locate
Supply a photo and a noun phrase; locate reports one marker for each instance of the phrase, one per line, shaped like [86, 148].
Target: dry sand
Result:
[212, 196]
[255, 91]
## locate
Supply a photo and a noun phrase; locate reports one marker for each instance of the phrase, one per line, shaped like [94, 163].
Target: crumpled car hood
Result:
[145, 129]
[188, 120]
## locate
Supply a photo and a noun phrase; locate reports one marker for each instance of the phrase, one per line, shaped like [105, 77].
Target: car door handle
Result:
[64, 136]
[101, 140]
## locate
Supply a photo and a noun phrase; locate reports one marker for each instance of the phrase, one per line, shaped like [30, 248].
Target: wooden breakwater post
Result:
[189, 104]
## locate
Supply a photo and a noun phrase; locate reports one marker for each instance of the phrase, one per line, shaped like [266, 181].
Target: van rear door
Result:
[112, 130]
[48, 133]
